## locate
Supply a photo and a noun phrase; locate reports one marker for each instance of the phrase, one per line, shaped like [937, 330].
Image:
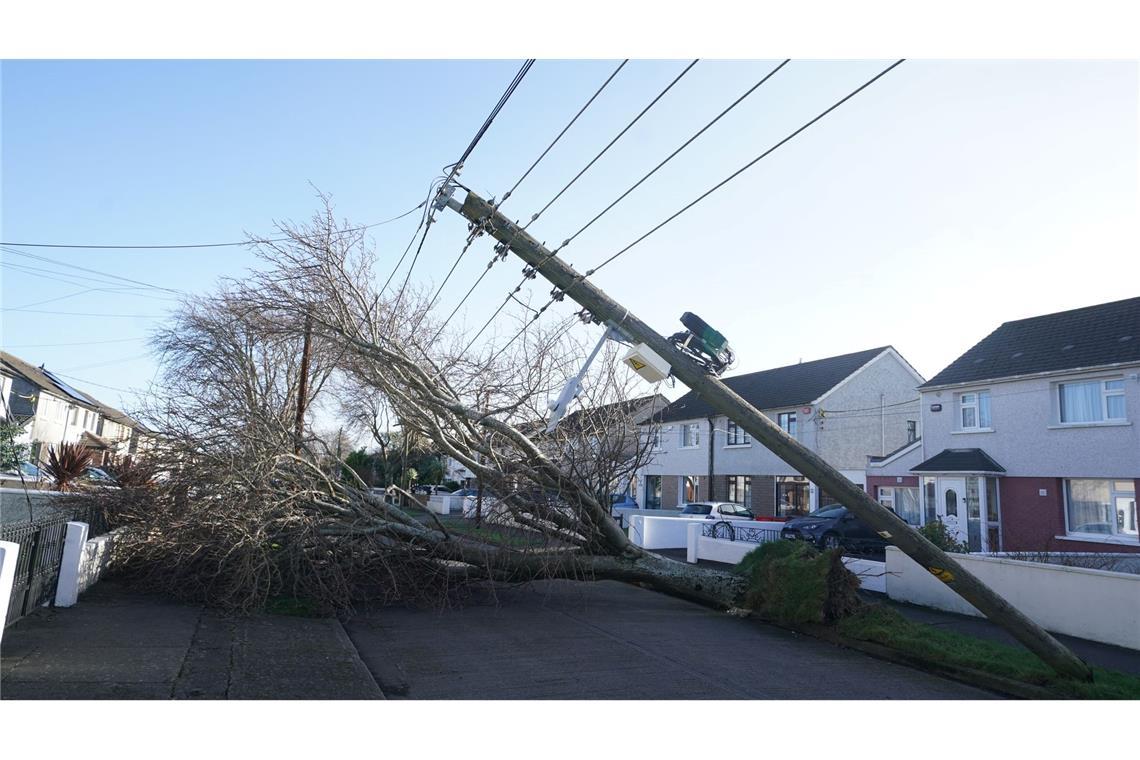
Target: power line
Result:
[90, 314]
[749, 165]
[204, 245]
[688, 206]
[455, 169]
[673, 155]
[76, 343]
[581, 111]
[121, 360]
[458, 165]
[69, 265]
[89, 382]
[514, 187]
[80, 282]
[611, 142]
[576, 177]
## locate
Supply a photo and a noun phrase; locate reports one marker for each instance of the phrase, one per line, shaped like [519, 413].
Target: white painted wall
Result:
[9, 554]
[1090, 604]
[67, 586]
[661, 532]
[871, 574]
[96, 558]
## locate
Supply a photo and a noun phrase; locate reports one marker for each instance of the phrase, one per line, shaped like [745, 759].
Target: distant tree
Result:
[12, 454]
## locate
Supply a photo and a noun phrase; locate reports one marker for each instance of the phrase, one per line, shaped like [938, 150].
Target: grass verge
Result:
[946, 649]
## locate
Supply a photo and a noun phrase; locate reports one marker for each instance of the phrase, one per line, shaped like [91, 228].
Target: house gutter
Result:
[712, 449]
[926, 388]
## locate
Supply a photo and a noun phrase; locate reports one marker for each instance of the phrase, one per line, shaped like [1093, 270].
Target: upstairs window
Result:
[737, 436]
[974, 410]
[787, 422]
[1091, 401]
[911, 431]
[691, 435]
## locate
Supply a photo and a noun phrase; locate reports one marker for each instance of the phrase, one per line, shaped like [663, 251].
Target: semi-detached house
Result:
[1030, 439]
[844, 408]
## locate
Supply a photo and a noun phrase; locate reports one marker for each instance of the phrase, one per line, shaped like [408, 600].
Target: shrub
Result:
[792, 583]
[67, 465]
[938, 534]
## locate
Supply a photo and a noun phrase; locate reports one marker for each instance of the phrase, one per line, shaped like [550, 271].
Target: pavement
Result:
[551, 640]
[116, 644]
[548, 640]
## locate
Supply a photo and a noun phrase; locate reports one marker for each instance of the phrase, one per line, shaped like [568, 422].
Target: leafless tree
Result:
[240, 518]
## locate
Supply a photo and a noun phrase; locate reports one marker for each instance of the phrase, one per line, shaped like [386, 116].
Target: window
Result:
[690, 488]
[791, 495]
[652, 491]
[1101, 507]
[655, 438]
[930, 486]
[691, 435]
[737, 436]
[787, 422]
[740, 489]
[1091, 401]
[911, 431]
[974, 410]
[74, 414]
[903, 500]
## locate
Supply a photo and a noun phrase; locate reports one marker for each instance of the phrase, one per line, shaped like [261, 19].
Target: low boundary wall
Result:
[1090, 604]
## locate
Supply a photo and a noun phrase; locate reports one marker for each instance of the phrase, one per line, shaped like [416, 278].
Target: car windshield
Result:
[696, 509]
[829, 513]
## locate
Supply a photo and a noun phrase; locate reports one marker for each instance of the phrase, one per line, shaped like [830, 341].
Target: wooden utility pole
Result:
[303, 388]
[807, 462]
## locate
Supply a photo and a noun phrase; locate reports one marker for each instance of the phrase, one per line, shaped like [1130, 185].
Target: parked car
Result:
[30, 472]
[718, 510]
[623, 500]
[431, 489]
[833, 527]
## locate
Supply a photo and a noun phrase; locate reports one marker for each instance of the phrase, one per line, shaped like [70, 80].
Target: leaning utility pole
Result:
[807, 462]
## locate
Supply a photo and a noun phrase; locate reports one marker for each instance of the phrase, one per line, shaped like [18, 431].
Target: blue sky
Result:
[943, 200]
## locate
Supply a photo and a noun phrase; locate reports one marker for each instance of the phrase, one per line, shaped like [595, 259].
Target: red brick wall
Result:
[1031, 522]
[874, 481]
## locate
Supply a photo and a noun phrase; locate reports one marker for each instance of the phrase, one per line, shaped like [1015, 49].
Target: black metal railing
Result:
[740, 532]
[37, 565]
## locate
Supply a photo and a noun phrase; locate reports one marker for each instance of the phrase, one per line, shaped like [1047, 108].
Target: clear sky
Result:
[946, 198]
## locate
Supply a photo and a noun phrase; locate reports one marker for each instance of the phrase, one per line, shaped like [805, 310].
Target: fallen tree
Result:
[237, 519]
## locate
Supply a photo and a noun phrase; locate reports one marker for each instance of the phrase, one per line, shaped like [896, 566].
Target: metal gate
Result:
[37, 566]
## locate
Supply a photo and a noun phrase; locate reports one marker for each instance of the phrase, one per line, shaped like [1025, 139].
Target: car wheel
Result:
[830, 541]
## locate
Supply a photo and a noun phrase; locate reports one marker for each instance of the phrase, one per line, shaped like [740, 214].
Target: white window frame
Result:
[654, 438]
[696, 436]
[732, 430]
[976, 404]
[1105, 394]
[1113, 494]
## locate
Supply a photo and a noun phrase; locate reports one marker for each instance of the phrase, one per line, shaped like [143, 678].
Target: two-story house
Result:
[844, 408]
[1030, 439]
[51, 412]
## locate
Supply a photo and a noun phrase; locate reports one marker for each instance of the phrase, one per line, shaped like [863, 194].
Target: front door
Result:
[952, 507]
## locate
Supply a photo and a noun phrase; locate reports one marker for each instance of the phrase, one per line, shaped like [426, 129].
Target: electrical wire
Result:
[205, 245]
[514, 187]
[748, 165]
[68, 265]
[76, 343]
[673, 155]
[612, 142]
[566, 187]
[581, 111]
